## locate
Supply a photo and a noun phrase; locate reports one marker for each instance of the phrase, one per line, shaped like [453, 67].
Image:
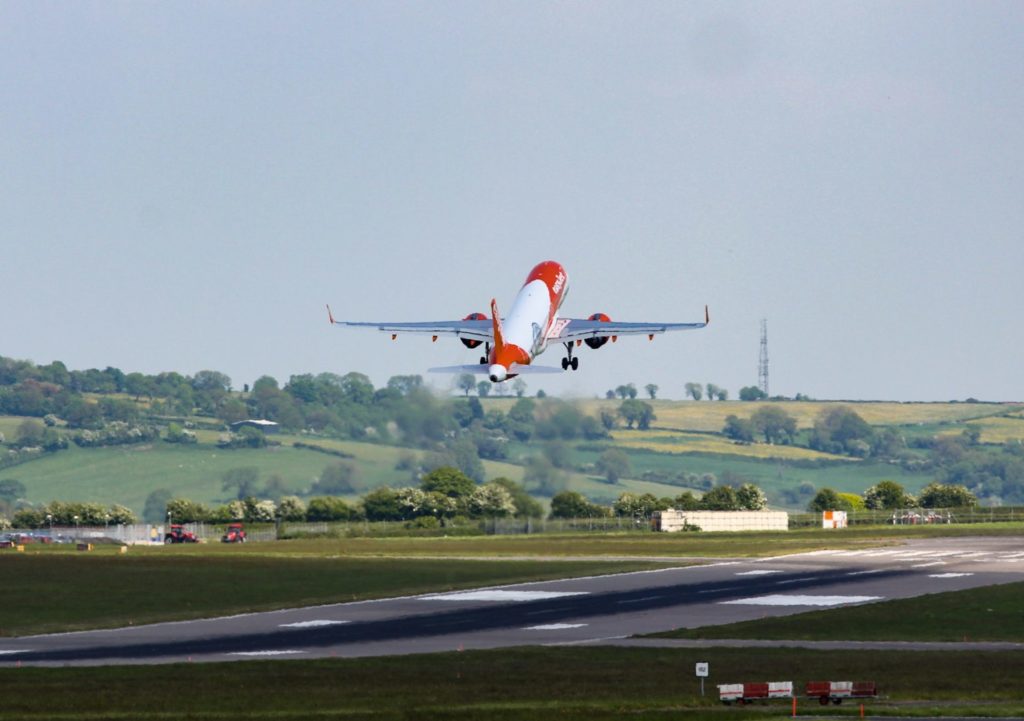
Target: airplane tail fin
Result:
[499, 339]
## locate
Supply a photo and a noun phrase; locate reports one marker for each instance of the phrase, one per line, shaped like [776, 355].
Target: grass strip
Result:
[67, 591]
[992, 613]
[535, 683]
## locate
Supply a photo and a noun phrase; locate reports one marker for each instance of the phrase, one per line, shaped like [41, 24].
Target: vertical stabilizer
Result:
[499, 339]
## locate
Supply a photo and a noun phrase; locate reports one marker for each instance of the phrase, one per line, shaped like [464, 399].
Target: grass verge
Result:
[65, 592]
[534, 683]
[992, 613]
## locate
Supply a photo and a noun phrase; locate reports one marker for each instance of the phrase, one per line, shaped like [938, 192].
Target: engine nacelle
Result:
[600, 340]
[473, 342]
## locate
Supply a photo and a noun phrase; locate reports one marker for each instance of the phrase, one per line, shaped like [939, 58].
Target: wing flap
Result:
[578, 329]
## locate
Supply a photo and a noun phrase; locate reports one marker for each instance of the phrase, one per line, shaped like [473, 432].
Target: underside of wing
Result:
[481, 330]
[579, 329]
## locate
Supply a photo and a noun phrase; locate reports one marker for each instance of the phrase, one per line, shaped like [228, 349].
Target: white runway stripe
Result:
[555, 626]
[948, 575]
[264, 653]
[311, 624]
[800, 600]
[499, 595]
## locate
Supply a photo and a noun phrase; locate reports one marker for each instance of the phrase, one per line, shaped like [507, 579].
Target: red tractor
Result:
[234, 534]
[178, 534]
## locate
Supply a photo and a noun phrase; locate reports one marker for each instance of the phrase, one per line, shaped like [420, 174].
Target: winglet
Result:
[330, 315]
[499, 339]
[707, 316]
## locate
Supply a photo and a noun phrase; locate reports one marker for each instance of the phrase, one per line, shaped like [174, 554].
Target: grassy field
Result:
[993, 613]
[585, 684]
[663, 441]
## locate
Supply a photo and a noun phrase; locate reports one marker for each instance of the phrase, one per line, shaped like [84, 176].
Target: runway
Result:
[593, 610]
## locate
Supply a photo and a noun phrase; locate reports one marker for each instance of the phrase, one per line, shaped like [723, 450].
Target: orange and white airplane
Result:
[511, 343]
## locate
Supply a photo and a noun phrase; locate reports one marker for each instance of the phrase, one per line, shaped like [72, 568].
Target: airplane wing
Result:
[578, 329]
[481, 330]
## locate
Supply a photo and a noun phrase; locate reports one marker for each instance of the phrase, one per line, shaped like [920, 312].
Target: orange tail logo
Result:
[499, 340]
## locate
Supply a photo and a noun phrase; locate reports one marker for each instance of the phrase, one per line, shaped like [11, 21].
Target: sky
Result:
[185, 185]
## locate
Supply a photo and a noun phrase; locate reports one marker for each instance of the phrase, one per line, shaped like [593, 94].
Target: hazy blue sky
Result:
[184, 185]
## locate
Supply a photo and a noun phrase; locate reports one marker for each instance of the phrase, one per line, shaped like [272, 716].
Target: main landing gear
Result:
[569, 361]
[486, 355]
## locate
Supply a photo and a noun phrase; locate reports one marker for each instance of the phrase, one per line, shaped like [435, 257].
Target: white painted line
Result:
[948, 575]
[864, 573]
[796, 600]
[639, 600]
[499, 595]
[764, 572]
[926, 565]
[554, 626]
[13, 650]
[973, 555]
[311, 624]
[793, 580]
[264, 653]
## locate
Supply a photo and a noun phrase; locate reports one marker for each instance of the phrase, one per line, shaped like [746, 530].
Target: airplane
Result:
[511, 343]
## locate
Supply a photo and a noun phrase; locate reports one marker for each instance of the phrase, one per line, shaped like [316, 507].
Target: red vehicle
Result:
[234, 534]
[836, 691]
[178, 534]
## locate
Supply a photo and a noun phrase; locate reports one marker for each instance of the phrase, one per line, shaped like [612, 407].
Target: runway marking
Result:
[311, 624]
[554, 626]
[864, 573]
[948, 575]
[759, 572]
[13, 650]
[779, 599]
[498, 595]
[926, 565]
[639, 600]
[794, 580]
[264, 653]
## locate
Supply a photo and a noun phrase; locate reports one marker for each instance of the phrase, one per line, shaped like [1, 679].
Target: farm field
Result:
[665, 441]
[569, 684]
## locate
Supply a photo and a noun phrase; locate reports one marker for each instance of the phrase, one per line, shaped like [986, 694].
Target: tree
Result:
[720, 498]
[519, 387]
[941, 495]
[694, 390]
[570, 504]
[211, 381]
[686, 501]
[652, 390]
[155, 508]
[291, 508]
[483, 389]
[712, 390]
[380, 504]
[466, 382]
[774, 424]
[243, 480]
[630, 505]
[827, 499]
[491, 500]
[543, 477]
[30, 433]
[722, 395]
[841, 430]
[337, 479]
[183, 510]
[639, 412]
[738, 429]
[448, 481]
[327, 508]
[751, 498]
[613, 464]
[886, 495]
[525, 505]
[752, 393]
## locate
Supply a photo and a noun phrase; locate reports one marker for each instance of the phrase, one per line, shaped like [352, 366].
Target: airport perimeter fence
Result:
[916, 516]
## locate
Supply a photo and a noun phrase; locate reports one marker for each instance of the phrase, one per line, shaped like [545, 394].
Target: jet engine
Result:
[600, 340]
[473, 342]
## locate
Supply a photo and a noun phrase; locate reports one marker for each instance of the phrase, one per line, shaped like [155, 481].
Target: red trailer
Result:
[836, 691]
[746, 692]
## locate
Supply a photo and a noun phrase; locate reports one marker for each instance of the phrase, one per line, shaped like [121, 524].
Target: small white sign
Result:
[702, 670]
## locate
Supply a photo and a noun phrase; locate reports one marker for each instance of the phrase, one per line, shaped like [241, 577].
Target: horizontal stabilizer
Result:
[516, 369]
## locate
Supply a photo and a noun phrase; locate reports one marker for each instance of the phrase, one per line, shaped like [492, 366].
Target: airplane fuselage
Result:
[526, 328]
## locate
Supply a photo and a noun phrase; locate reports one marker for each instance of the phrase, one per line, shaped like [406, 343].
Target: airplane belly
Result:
[527, 321]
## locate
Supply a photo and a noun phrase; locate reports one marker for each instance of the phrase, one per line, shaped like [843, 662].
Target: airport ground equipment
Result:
[178, 534]
[235, 533]
[743, 693]
[836, 691]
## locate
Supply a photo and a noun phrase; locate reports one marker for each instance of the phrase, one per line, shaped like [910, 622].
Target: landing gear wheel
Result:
[565, 364]
[575, 363]
[483, 360]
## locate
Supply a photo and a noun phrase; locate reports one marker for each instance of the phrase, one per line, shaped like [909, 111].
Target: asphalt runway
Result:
[593, 610]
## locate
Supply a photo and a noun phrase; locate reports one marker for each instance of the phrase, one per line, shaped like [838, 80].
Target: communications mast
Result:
[762, 365]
